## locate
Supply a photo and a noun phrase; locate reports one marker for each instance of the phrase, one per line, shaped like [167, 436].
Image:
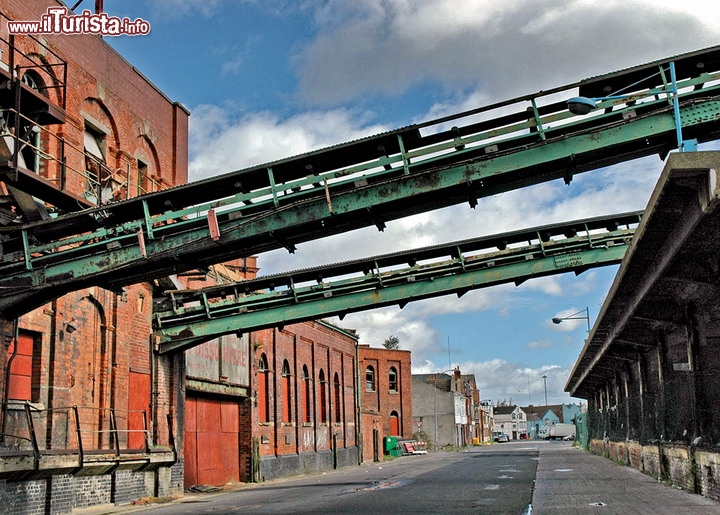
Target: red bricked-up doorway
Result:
[211, 441]
[138, 404]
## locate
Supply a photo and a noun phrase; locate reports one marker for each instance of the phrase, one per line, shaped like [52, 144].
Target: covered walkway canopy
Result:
[649, 367]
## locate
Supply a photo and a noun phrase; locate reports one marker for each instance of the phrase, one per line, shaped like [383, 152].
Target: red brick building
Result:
[305, 413]
[386, 397]
[270, 403]
[112, 421]
[91, 129]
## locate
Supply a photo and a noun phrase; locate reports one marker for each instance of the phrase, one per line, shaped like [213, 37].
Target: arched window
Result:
[370, 379]
[307, 395]
[287, 392]
[31, 132]
[323, 397]
[336, 390]
[393, 380]
[262, 390]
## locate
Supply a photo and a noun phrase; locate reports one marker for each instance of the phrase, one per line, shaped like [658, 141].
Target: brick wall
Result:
[92, 340]
[326, 352]
[378, 404]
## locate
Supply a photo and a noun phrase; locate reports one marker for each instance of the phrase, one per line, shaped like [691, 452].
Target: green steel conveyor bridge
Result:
[644, 110]
[190, 317]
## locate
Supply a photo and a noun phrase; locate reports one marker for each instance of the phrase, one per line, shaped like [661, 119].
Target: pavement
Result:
[572, 480]
[569, 480]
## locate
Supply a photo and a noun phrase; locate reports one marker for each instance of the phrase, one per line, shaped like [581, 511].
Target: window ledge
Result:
[15, 404]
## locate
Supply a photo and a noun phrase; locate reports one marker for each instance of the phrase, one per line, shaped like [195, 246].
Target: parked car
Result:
[502, 438]
[569, 438]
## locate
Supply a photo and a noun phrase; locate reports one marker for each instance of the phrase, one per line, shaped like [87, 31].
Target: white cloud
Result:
[478, 52]
[169, 9]
[502, 49]
[503, 381]
[223, 138]
[539, 344]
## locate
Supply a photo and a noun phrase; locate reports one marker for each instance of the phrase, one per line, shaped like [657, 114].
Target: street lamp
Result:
[584, 105]
[559, 320]
[435, 402]
[545, 383]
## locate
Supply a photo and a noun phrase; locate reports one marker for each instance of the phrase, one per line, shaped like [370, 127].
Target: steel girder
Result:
[358, 184]
[189, 318]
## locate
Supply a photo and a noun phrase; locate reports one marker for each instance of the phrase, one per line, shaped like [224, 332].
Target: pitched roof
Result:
[503, 410]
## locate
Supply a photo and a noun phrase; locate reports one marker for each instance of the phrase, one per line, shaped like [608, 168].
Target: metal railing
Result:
[72, 429]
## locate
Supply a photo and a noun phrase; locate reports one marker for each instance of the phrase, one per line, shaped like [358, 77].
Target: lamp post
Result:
[584, 105]
[545, 384]
[574, 316]
[435, 402]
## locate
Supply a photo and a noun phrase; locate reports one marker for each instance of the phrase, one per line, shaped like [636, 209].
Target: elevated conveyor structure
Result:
[191, 317]
[452, 160]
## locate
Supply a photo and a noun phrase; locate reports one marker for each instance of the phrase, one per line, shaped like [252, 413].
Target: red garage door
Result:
[211, 441]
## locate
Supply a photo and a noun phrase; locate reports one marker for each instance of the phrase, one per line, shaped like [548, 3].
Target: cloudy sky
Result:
[266, 79]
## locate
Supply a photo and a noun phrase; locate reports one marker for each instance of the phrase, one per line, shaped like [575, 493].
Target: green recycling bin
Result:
[390, 446]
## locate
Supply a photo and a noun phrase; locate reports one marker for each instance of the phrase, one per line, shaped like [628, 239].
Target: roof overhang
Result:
[664, 271]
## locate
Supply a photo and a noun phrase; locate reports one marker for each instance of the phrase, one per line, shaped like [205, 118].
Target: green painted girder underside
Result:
[149, 237]
[189, 318]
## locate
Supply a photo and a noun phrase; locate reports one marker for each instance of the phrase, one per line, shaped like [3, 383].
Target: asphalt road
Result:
[495, 479]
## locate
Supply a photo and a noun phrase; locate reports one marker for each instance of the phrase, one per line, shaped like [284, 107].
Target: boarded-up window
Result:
[323, 397]
[20, 371]
[287, 392]
[370, 379]
[262, 393]
[94, 143]
[307, 395]
[393, 380]
[338, 405]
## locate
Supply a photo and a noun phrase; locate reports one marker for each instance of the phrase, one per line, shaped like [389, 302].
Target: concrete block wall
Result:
[708, 473]
[26, 497]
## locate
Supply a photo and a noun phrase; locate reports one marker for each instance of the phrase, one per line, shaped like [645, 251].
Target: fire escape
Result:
[43, 175]
[34, 167]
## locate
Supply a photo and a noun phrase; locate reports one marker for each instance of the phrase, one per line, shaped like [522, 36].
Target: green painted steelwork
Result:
[189, 318]
[361, 183]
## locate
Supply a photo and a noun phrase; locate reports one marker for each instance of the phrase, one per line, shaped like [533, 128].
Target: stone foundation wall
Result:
[62, 493]
[273, 467]
[693, 469]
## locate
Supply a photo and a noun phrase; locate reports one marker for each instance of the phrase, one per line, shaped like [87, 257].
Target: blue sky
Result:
[269, 79]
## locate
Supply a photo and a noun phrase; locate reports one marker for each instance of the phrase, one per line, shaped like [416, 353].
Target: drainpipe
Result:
[358, 401]
[16, 333]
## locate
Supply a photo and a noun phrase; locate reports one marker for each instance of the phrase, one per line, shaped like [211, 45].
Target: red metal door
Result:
[138, 406]
[20, 372]
[211, 441]
[394, 424]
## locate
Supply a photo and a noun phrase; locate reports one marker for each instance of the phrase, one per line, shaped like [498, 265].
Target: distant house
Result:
[539, 416]
[549, 418]
[510, 420]
[569, 412]
[446, 408]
